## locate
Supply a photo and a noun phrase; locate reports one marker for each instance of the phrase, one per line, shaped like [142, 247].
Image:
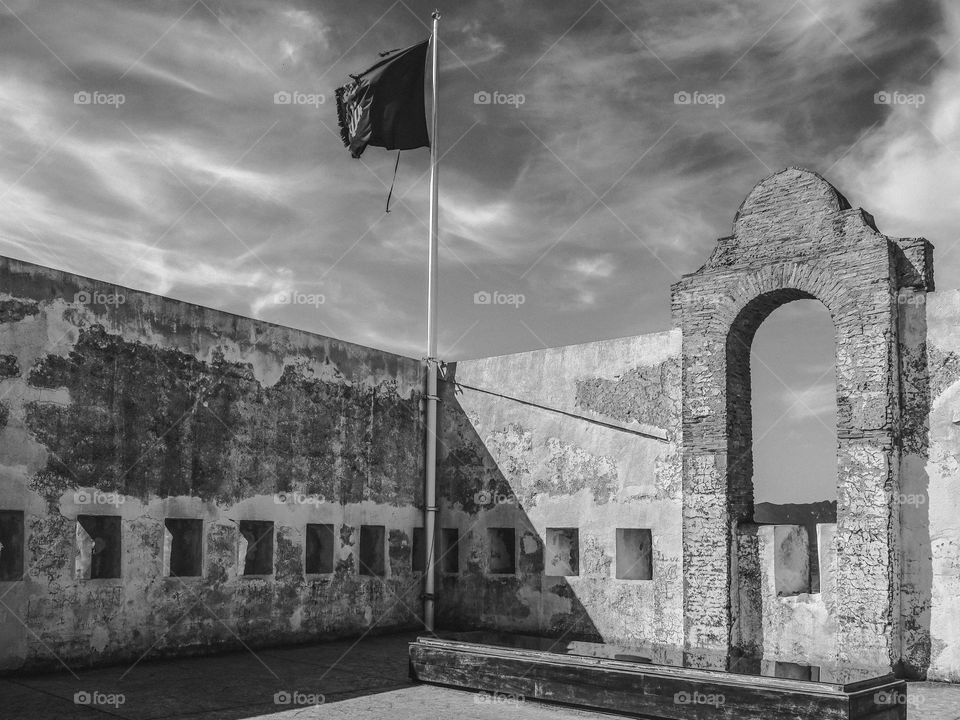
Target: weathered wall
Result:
[152, 408]
[170, 410]
[930, 491]
[891, 575]
[796, 237]
[517, 462]
[798, 625]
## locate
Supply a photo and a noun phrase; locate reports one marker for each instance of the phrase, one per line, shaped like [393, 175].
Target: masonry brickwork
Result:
[131, 409]
[596, 491]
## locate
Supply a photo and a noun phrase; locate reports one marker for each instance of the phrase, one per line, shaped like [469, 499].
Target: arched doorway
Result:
[793, 390]
[795, 237]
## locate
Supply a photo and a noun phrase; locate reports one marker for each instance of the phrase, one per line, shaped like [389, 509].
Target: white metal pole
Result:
[430, 489]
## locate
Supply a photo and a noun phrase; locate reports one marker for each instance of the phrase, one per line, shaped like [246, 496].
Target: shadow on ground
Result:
[356, 679]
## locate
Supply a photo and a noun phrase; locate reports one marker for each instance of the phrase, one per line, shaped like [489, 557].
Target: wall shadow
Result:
[916, 398]
[526, 600]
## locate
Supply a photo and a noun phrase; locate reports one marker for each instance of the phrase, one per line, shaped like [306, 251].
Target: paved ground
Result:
[352, 680]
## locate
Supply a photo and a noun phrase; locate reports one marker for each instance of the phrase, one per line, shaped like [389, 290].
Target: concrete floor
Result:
[365, 679]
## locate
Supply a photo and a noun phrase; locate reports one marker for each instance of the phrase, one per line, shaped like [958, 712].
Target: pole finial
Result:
[435, 15]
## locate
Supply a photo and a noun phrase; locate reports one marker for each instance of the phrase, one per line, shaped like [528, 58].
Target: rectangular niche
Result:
[634, 554]
[256, 547]
[183, 547]
[11, 545]
[503, 550]
[98, 547]
[319, 558]
[450, 550]
[372, 550]
[419, 550]
[562, 552]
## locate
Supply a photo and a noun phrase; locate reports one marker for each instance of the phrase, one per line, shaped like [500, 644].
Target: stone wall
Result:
[536, 443]
[930, 491]
[799, 625]
[121, 403]
[563, 447]
[796, 237]
[597, 491]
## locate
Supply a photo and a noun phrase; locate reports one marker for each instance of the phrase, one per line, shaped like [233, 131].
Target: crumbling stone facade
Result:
[578, 441]
[796, 237]
[124, 411]
[889, 568]
[596, 491]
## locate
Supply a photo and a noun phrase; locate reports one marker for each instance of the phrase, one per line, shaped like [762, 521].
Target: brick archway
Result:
[795, 237]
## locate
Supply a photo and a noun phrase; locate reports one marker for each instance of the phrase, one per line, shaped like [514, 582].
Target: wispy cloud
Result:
[112, 190]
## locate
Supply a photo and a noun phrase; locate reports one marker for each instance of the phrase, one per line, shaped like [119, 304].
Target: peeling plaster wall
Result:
[795, 236]
[798, 625]
[930, 494]
[505, 463]
[151, 408]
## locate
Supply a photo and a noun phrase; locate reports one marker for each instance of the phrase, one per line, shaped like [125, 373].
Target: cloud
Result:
[818, 401]
[112, 191]
[908, 168]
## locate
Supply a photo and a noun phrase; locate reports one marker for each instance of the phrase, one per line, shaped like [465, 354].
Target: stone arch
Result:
[740, 335]
[794, 237]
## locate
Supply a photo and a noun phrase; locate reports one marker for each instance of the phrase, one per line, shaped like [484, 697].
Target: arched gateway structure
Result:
[795, 237]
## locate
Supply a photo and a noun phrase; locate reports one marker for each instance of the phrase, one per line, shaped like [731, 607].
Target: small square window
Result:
[562, 552]
[183, 544]
[419, 550]
[634, 554]
[256, 547]
[11, 545]
[98, 547]
[503, 550]
[372, 550]
[319, 549]
[795, 671]
[450, 550]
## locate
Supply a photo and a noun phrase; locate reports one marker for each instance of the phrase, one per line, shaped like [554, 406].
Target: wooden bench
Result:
[515, 669]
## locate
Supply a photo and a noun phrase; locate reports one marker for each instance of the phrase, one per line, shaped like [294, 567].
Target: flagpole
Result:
[430, 490]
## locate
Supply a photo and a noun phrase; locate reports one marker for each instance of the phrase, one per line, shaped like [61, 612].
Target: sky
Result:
[142, 144]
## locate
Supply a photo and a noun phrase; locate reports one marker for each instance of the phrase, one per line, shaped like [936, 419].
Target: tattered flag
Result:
[384, 105]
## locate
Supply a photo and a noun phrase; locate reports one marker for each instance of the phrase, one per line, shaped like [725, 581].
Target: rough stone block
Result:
[785, 559]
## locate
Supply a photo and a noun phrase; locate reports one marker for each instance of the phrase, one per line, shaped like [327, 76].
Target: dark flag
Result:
[384, 105]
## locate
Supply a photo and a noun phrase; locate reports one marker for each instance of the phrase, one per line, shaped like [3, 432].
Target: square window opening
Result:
[373, 550]
[319, 549]
[562, 552]
[419, 550]
[99, 554]
[11, 545]
[503, 550]
[183, 547]
[450, 550]
[634, 554]
[256, 547]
